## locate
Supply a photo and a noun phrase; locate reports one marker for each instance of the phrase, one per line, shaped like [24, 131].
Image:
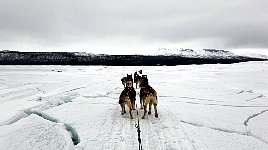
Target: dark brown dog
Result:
[147, 96]
[137, 79]
[127, 97]
[124, 81]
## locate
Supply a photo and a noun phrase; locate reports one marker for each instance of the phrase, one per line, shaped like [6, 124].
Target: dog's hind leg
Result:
[130, 109]
[144, 112]
[150, 107]
[155, 101]
[130, 114]
[155, 111]
[123, 109]
[145, 103]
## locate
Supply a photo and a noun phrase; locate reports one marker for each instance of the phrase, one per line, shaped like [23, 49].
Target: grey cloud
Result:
[236, 24]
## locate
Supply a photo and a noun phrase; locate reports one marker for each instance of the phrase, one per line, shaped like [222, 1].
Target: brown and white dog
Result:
[128, 97]
[147, 96]
[125, 99]
[125, 79]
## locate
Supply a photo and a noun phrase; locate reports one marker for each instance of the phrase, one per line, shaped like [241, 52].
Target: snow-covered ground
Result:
[216, 106]
[206, 53]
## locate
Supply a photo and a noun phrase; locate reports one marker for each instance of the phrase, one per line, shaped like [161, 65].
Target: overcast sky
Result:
[123, 26]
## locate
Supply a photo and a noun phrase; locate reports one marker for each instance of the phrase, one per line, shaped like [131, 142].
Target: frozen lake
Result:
[202, 107]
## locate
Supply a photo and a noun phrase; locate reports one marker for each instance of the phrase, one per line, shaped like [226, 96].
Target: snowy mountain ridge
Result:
[160, 57]
[204, 53]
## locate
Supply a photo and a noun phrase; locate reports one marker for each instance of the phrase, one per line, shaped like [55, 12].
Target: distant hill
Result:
[181, 57]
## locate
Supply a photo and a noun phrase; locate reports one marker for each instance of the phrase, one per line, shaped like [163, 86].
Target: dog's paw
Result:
[156, 115]
[143, 117]
[149, 113]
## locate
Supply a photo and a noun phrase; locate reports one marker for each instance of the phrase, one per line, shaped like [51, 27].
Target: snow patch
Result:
[34, 132]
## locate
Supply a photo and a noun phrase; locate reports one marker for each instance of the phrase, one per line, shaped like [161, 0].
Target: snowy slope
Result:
[219, 106]
[204, 53]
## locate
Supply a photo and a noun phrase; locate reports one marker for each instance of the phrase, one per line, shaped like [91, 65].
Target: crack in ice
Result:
[253, 116]
[247, 133]
[260, 96]
[74, 135]
[225, 105]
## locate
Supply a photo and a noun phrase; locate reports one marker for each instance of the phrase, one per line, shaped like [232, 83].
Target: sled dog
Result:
[137, 79]
[125, 79]
[147, 96]
[127, 97]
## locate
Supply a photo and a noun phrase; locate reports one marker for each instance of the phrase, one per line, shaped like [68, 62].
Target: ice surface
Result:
[216, 106]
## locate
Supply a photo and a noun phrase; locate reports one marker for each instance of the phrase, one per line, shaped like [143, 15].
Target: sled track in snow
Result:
[189, 143]
[151, 134]
[118, 132]
[156, 133]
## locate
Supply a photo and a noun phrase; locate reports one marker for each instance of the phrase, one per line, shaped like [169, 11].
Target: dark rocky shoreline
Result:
[69, 58]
